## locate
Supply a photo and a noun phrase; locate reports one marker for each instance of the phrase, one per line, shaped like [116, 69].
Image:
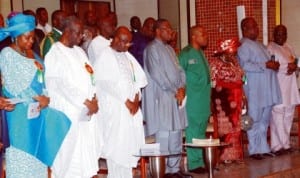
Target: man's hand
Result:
[133, 106]
[271, 64]
[180, 94]
[292, 67]
[43, 100]
[92, 106]
[4, 104]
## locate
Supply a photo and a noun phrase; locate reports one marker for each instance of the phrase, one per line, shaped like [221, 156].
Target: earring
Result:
[16, 42]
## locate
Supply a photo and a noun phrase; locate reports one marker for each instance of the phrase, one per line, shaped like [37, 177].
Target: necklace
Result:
[18, 49]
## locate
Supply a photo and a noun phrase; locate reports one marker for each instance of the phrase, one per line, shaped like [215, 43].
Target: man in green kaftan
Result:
[57, 17]
[198, 89]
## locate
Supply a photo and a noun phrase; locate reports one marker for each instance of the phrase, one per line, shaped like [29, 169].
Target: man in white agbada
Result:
[283, 114]
[107, 28]
[119, 79]
[69, 80]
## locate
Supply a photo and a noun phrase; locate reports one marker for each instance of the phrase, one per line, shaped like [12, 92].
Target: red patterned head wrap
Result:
[227, 46]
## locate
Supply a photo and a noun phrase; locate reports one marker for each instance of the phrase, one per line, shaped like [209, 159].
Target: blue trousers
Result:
[257, 135]
[171, 141]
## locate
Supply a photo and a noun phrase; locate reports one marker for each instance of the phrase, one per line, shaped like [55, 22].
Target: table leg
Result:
[210, 160]
[157, 166]
[143, 168]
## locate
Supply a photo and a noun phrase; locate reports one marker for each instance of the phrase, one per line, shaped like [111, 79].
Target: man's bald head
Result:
[122, 39]
[107, 27]
[57, 19]
[198, 36]
[250, 28]
[196, 30]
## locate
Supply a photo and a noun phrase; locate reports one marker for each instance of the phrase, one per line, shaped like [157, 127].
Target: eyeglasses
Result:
[128, 44]
[166, 29]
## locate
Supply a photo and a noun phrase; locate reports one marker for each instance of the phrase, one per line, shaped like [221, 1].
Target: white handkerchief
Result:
[183, 102]
[83, 115]
[15, 100]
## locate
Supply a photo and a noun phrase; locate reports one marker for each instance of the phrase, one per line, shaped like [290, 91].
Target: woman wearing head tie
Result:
[35, 130]
[227, 95]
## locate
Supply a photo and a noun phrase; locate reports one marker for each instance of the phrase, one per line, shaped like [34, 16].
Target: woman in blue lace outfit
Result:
[36, 131]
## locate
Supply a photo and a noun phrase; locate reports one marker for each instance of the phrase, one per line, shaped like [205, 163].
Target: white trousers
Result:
[280, 125]
[118, 171]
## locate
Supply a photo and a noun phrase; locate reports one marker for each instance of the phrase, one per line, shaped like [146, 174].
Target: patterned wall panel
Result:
[220, 18]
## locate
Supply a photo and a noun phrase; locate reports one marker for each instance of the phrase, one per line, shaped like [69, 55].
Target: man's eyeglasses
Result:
[166, 29]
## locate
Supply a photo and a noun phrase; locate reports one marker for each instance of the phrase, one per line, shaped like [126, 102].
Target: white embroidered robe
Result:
[69, 84]
[118, 78]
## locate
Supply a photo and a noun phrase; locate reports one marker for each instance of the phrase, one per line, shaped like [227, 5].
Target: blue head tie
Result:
[17, 25]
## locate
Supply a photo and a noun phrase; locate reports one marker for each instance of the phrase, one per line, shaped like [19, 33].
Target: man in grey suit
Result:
[163, 98]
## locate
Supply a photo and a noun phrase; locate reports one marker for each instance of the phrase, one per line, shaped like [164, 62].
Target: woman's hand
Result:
[43, 100]
[6, 105]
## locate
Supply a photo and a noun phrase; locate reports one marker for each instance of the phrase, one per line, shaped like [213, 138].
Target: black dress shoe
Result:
[289, 150]
[278, 152]
[269, 154]
[257, 156]
[199, 170]
[168, 175]
[180, 174]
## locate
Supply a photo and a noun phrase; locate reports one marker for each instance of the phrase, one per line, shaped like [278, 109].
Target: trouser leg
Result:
[118, 171]
[194, 130]
[257, 135]
[171, 141]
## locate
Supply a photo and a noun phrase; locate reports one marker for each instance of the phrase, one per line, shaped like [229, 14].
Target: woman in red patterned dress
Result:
[227, 96]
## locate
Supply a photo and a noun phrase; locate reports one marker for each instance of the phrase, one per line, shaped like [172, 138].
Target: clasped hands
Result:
[92, 105]
[274, 65]
[180, 94]
[291, 68]
[133, 106]
[271, 64]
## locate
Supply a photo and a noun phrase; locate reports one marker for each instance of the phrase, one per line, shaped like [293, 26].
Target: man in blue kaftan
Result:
[261, 88]
[163, 97]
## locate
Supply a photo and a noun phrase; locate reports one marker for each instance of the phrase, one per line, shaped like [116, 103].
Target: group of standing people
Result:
[270, 88]
[264, 79]
[52, 105]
